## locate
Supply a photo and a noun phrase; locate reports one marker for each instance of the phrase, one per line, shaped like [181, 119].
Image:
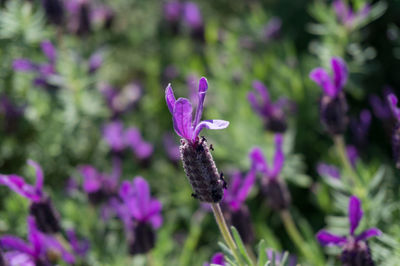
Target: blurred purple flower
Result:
[102, 16]
[71, 186]
[324, 169]
[271, 254]
[79, 16]
[171, 147]
[95, 62]
[392, 99]
[354, 247]
[10, 113]
[181, 111]
[360, 128]
[192, 15]
[273, 187]
[44, 71]
[217, 259]
[80, 247]
[141, 215]
[380, 107]
[238, 189]
[113, 133]
[333, 105]
[273, 114]
[42, 249]
[120, 101]
[352, 154]
[172, 11]
[273, 28]
[346, 14]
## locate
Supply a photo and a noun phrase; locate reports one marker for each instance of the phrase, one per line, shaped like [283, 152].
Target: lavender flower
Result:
[273, 187]
[347, 16]
[141, 215]
[273, 114]
[79, 21]
[324, 169]
[43, 249]
[197, 160]
[217, 259]
[95, 62]
[396, 130]
[355, 250]
[43, 71]
[120, 101]
[80, 247]
[352, 154]
[98, 186]
[193, 19]
[119, 139]
[235, 212]
[273, 29]
[172, 11]
[333, 105]
[41, 207]
[360, 128]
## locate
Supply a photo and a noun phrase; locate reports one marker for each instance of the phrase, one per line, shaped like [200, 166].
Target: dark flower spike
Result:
[396, 129]
[273, 114]
[333, 105]
[141, 215]
[196, 157]
[273, 187]
[355, 250]
[42, 249]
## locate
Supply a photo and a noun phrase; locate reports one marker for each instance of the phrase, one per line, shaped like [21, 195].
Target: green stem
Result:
[295, 235]
[342, 153]
[219, 218]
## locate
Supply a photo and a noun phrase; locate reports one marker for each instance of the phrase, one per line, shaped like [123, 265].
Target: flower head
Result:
[333, 105]
[181, 111]
[354, 243]
[42, 249]
[192, 15]
[346, 14]
[273, 114]
[238, 189]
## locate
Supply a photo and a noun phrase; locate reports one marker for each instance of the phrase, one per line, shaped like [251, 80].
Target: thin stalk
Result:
[342, 153]
[295, 235]
[226, 234]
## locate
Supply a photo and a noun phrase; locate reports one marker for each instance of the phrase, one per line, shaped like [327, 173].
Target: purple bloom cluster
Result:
[273, 187]
[119, 139]
[182, 116]
[140, 213]
[273, 114]
[189, 12]
[333, 105]
[355, 250]
[346, 14]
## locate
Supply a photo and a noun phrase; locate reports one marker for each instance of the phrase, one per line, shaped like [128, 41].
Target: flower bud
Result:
[142, 238]
[333, 111]
[356, 253]
[45, 215]
[201, 171]
[277, 194]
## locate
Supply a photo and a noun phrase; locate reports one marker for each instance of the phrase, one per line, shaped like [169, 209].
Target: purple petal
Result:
[231, 196]
[24, 65]
[203, 86]
[341, 10]
[321, 77]
[279, 157]
[18, 185]
[262, 91]
[113, 133]
[19, 258]
[369, 233]
[258, 161]
[218, 259]
[142, 197]
[340, 73]
[80, 247]
[9, 242]
[35, 237]
[182, 118]
[92, 179]
[393, 106]
[153, 213]
[144, 150]
[253, 102]
[379, 107]
[355, 213]
[352, 154]
[210, 124]
[132, 137]
[126, 190]
[326, 238]
[172, 11]
[324, 169]
[192, 15]
[48, 50]
[246, 185]
[39, 176]
[170, 98]
[95, 62]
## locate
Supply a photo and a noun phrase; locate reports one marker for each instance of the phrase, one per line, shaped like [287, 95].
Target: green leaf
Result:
[262, 255]
[241, 247]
